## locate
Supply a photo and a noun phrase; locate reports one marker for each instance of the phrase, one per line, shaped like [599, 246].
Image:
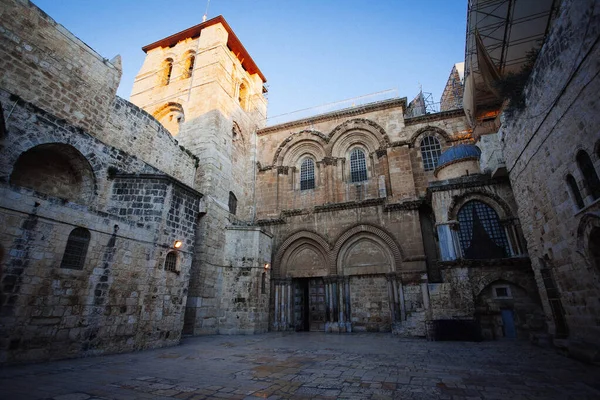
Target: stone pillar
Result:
[277, 311]
[341, 304]
[347, 308]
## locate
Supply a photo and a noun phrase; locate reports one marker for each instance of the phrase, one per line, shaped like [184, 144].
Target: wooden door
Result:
[316, 295]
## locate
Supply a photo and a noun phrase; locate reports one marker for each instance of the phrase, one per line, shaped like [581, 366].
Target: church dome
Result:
[459, 160]
[457, 153]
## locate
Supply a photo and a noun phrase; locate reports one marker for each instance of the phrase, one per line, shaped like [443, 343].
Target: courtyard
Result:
[311, 365]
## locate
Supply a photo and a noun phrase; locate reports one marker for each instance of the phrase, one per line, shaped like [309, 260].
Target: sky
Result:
[312, 52]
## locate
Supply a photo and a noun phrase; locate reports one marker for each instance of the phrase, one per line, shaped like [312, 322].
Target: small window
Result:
[76, 249]
[430, 152]
[575, 191]
[502, 292]
[189, 66]
[232, 203]
[358, 166]
[168, 70]
[243, 96]
[590, 177]
[171, 262]
[307, 174]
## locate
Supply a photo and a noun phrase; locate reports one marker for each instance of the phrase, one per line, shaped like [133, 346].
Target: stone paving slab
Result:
[310, 366]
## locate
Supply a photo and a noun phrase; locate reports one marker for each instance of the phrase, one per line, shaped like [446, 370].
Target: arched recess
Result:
[366, 238]
[290, 142]
[356, 131]
[491, 199]
[297, 249]
[301, 148]
[56, 169]
[588, 236]
[440, 134]
[171, 116]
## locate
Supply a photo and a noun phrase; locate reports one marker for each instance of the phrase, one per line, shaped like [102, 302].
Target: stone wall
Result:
[47, 65]
[540, 145]
[121, 298]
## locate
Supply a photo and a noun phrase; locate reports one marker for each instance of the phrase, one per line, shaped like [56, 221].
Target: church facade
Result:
[128, 224]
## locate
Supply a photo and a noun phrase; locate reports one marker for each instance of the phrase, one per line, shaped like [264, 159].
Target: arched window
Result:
[480, 233]
[171, 261]
[575, 191]
[189, 66]
[590, 177]
[430, 152]
[307, 174]
[358, 166]
[76, 249]
[167, 70]
[232, 203]
[243, 96]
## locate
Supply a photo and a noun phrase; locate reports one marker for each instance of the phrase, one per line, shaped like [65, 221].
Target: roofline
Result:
[233, 43]
[356, 110]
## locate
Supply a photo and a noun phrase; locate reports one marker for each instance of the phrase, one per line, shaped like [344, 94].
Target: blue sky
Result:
[312, 52]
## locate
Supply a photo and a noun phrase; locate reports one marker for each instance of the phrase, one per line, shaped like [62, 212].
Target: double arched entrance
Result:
[350, 285]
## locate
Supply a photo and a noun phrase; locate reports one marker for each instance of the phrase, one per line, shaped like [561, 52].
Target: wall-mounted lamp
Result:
[267, 265]
[177, 244]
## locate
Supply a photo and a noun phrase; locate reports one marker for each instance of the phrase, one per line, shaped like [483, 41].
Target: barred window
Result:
[76, 249]
[590, 177]
[189, 66]
[171, 262]
[480, 233]
[430, 152]
[307, 174]
[575, 191]
[232, 203]
[358, 166]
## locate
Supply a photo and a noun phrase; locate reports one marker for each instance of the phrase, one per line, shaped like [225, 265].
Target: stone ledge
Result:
[515, 262]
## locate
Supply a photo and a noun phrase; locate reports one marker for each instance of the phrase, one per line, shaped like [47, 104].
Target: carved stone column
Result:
[347, 306]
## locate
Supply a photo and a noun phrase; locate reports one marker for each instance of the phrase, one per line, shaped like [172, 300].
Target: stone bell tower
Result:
[203, 86]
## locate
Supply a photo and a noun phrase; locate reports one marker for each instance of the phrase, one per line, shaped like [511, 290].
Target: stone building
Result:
[128, 224]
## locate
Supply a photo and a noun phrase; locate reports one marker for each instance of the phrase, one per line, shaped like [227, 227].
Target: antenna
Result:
[206, 12]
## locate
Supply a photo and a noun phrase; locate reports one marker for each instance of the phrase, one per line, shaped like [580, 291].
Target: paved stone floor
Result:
[311, 365]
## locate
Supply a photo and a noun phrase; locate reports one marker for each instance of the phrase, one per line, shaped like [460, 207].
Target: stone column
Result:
[341, 304]
[347, 305]
[277, 312]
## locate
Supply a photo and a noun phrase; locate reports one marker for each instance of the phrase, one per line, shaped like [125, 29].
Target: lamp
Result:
[177, 244]
[267, 265]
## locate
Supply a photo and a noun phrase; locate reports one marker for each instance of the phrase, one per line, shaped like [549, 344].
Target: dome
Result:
[457, 153]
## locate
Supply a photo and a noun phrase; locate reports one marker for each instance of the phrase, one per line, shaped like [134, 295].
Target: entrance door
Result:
[316, 290]
[301, 305]
[508, 322]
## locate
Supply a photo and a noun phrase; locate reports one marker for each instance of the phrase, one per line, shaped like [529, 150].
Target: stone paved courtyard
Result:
[311, 365]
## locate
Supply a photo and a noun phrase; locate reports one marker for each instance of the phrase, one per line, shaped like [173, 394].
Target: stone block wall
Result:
[122, 299]
[540, 145]
[47, 65]
[370, 304]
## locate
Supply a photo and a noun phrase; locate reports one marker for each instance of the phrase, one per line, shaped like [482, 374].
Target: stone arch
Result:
[439, 134]
[373, 233]
[56, 169]
[587, 231]
[309, 137]
[171, 116]
[491, 199]
[303, 241]
[496, 276]
[188, 63]
[356, 131]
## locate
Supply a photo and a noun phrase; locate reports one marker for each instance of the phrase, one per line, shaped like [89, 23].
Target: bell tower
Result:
[203, 86]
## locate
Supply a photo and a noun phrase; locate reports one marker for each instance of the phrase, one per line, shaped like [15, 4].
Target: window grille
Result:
[480, 232]
[430, 152]
[575, 191]
[76, 249]
[307, 174]
[358, 166]
[171, 262]
[590, 177]
[232, 203]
